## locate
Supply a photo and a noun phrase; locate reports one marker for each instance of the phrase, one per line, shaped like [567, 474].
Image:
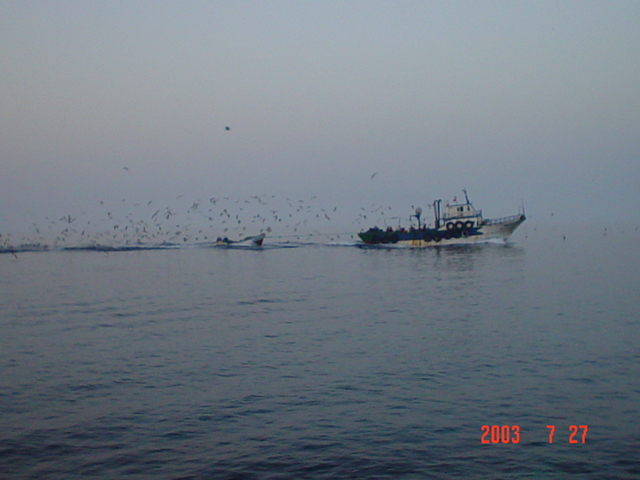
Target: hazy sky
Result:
[531, 100]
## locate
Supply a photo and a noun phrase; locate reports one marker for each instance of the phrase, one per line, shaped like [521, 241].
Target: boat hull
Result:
[420, 238]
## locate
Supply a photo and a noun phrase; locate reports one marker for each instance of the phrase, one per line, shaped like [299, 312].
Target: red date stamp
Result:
[511, 433]
[500, 434]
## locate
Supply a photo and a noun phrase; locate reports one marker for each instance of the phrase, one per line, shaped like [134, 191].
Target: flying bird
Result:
[373, 175]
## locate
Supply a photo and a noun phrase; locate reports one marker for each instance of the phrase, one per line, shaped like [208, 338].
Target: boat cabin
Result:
[462, 212]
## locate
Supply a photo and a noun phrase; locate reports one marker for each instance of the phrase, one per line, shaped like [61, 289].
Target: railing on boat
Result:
[495, 221]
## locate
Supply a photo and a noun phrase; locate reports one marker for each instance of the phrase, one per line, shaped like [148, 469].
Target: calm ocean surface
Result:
[324, 361]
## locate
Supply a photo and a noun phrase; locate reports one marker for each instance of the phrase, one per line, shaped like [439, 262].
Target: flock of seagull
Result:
[197, 221]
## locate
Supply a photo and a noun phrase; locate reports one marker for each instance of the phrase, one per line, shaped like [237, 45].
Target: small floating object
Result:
[252, 241]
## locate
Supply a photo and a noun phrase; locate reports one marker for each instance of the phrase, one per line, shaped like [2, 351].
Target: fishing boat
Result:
[458, 224]
[253, 241]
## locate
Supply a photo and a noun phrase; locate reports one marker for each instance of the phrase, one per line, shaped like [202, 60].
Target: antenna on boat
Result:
[464, 190]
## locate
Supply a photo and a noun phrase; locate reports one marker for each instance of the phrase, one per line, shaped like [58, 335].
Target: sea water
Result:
[325, 360]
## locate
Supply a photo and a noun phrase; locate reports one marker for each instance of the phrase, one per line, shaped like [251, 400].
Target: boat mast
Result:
[436, 211]
[418, 215]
